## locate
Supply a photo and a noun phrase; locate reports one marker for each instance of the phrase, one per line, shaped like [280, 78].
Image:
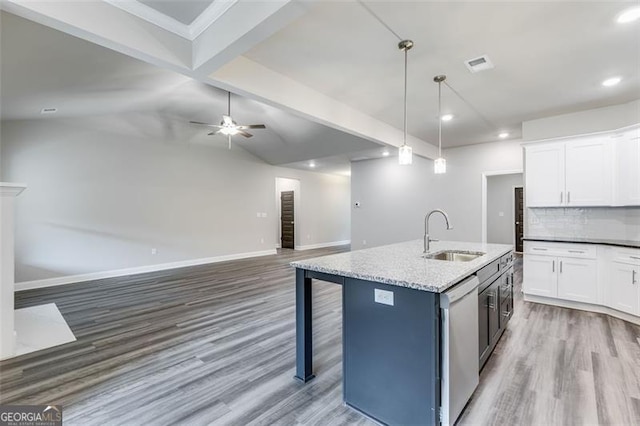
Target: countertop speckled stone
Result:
[402, 264]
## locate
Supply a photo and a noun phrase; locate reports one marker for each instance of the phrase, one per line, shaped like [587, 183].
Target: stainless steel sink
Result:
[454, 255]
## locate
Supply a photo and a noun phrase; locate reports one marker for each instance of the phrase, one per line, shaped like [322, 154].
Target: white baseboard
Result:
[323, 245]
[582, 306]
[70, 279]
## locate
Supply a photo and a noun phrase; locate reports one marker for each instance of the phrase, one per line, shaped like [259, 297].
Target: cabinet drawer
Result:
[487, 272]
[629, 256]
[587, 251]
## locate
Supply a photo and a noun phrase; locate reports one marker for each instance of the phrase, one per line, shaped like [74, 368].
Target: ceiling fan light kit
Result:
[228, 127]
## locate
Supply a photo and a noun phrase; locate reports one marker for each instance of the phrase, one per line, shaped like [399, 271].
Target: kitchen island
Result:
[392, 325]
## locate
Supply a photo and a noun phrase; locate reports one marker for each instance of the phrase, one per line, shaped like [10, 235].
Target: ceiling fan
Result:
[228, 127]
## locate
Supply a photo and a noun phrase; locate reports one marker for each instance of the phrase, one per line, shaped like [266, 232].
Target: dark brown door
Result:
[519, 216]
[286, 219]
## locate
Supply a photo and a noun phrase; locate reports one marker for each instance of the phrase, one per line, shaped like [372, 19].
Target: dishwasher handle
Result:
[459, 291]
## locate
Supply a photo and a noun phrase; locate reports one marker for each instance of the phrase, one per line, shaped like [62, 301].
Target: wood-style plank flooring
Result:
[214, 344]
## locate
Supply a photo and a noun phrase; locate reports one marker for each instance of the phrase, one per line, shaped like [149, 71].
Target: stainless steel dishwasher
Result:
[460, 364]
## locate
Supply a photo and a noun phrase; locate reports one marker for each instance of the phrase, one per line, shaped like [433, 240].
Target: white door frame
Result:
[484, 195]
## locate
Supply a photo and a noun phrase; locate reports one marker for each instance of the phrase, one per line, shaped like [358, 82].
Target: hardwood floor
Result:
[214, 344]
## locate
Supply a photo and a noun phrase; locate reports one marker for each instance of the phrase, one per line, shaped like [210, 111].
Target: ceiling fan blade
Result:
[245, 134]
[205, 124]
[252, 126]
[227, 120]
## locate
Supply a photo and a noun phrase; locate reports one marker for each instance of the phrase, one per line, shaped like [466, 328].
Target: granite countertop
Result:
[402, 264]
[586, 240]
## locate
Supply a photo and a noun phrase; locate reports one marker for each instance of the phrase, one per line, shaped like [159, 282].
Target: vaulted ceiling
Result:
[333, 65]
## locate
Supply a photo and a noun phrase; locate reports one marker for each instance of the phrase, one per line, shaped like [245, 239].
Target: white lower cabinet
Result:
[578, 279]
[624, 287]
[540, 275]
[607, 278]
[562, 277]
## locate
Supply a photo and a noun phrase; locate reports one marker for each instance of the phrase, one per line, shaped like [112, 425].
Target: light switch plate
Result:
[383, 296]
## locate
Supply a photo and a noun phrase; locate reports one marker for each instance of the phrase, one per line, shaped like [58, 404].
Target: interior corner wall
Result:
[104, 191]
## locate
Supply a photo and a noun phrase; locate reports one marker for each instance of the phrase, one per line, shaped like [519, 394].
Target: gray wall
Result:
[602, 222]
[500, 207]
[395, 199]
[103, 191]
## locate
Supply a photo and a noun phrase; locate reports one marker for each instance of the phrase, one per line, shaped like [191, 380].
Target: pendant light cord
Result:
[379, 20]
[440, 119]
[405, 97]
[488, 122]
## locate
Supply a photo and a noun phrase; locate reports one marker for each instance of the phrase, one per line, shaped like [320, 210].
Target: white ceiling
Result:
[550, 58]
[42, 68]
[329, 62]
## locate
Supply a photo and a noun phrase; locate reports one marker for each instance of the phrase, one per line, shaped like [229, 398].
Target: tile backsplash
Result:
[618, 223]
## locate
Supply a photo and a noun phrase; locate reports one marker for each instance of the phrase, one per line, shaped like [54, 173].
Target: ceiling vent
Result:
[480, 63]
[48, 110]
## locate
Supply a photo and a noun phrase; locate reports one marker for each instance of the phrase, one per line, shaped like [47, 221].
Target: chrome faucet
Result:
[427, 239]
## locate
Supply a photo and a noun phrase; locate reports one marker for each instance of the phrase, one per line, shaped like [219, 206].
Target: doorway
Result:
[289, 213]
[499, 207]
[287, 220]
[518, 197]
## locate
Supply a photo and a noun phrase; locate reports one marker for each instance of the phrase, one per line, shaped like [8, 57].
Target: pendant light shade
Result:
[405, 153]
[440, 165]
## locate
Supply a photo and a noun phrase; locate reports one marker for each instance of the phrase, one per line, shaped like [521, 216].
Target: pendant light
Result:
[440, 165]
[405, 154]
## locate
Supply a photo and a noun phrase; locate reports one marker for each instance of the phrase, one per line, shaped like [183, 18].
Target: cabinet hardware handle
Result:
[490, 300]
[635, 257]
[561, 266]
[561, 194]
[540, 249]
[506, 314]
[568, 197]
[553, 266]
[576, 251]
[633, 276]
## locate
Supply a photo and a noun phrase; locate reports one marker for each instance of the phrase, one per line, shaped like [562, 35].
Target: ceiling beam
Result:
[242, 26]
[249, 78]
[103, 24]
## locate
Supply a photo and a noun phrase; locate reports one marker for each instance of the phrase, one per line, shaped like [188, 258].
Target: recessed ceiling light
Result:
[611, 81]
[629, 15]
[385, 153]
[312, 164]
[503, 135]
[447, 117]
[48, 110]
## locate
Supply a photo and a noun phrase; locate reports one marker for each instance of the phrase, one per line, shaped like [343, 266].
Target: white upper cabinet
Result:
[597, 170]
[588, 172]
[545, 175]
[627, 168]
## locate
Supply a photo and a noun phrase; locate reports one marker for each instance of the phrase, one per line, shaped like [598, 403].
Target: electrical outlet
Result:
[261, 240]
[308, 236]
[154, 251]
[264, 214]
[501, 214]
[258, 214]
[364, 242]
[383, 296]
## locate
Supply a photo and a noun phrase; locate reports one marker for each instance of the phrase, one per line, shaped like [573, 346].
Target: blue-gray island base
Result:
[391, 350]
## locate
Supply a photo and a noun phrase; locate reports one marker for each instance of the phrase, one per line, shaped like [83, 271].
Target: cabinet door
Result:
[544, 175]
[539, 275]
[483, 322]
[577, 279]
[622, 292]
[627, 166]
[588, 172]
[494, 309]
